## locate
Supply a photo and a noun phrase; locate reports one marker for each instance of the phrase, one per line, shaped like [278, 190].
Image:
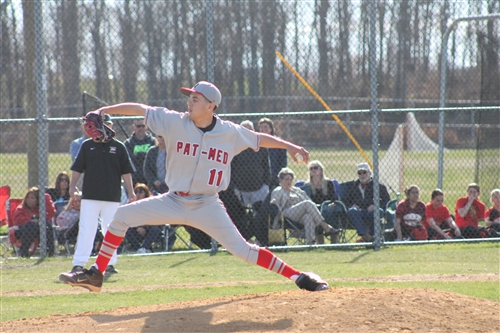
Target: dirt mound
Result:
[335, 310]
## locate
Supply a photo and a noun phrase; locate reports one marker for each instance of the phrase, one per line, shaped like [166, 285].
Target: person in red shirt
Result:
[492, 215]
[25, 220]
[438, 218]
[469, 211]
[410, 214]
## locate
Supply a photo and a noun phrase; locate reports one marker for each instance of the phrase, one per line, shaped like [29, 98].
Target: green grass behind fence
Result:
[146, 280]
[419, 168]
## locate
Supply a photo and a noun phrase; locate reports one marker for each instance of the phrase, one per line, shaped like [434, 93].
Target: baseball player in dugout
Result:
[200, 147]
[104, 160]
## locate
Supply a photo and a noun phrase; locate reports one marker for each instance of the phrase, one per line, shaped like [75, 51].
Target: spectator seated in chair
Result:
[26, 218]
[410, 214]
[438, 219]
[492, 215]
[141, 239]
[67, 221]
[294, 204]
[358, 200]
[60, 192]
[250, 180]
[154, 167]
[469, 211]
[322, 189]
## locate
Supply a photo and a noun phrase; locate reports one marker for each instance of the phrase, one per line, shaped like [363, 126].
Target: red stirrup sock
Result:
[108, 247]
[268, 260]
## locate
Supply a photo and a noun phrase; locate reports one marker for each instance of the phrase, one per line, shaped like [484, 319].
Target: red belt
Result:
[182, 194]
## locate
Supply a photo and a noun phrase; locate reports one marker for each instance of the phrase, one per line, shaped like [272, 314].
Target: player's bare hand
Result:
[132, 197]
[299, 154]
[72, 191]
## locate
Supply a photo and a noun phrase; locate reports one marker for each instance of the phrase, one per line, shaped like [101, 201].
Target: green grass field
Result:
[419, 168]
[31, 288]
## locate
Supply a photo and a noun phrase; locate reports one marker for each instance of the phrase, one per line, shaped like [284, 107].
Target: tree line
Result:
[145, 50]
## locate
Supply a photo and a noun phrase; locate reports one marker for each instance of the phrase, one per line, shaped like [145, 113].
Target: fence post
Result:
[42, 132]
[374, 122]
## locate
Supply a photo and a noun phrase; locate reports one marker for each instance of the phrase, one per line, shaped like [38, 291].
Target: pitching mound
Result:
[335, 310]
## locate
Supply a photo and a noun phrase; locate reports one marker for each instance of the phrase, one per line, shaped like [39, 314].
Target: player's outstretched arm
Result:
[126, 109]
[298, 153]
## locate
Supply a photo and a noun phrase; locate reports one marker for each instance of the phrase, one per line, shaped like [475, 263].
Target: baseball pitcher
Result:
[200, 147]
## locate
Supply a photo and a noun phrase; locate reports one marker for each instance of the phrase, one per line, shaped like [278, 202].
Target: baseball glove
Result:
[96, 129]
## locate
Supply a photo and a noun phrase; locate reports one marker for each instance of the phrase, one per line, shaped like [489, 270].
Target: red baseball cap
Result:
[207, 89]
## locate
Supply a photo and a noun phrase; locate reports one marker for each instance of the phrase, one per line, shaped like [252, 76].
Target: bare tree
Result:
[6, 56]
[268, 31]
[344, 75]
[489, 47]
[95, 13]
[70, 52]
[129, 32]
[323, 46]
[253, 75]
[403, 53]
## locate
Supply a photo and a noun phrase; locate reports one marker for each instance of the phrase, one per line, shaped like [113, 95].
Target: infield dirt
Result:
[335, 310]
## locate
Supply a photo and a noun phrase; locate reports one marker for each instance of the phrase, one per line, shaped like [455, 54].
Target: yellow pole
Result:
[326, 107]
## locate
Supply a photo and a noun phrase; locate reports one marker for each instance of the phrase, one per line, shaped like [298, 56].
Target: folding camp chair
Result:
[389, 220]
[12, 204]
[4, 198]
[59, 236]
[294, 232]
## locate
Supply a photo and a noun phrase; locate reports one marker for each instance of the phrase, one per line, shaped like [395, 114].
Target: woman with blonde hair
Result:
[492, 215]
[67, 220]
[71, 212]
[322, 188]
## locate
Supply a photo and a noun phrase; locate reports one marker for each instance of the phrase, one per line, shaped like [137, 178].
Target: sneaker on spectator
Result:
[76, 268]
[143, 250]
[111, 270]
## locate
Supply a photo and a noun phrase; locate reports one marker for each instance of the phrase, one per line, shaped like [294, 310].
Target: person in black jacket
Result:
[155, 168]
[359, 201]
[250, 178]
[137, 146]
[277, 157]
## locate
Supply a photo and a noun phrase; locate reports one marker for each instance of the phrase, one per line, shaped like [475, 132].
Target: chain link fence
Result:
[143, 51]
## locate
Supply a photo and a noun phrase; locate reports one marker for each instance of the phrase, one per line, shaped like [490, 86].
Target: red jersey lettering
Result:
[187, 149]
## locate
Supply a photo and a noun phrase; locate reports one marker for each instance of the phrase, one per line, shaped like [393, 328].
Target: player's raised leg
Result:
[220, 227]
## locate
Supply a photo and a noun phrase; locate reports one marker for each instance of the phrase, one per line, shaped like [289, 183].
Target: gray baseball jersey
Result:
[197, 162]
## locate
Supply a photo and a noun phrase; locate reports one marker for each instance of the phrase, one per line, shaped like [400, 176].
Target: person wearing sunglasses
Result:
[138, 145]
[359, 202]
[321, 189]
[60, 192]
